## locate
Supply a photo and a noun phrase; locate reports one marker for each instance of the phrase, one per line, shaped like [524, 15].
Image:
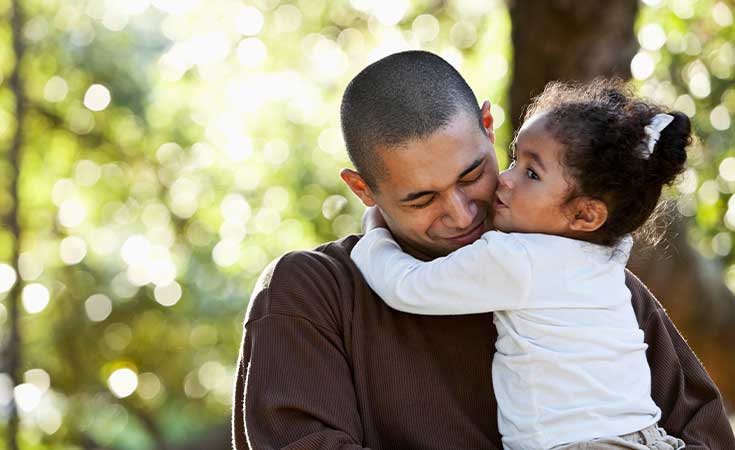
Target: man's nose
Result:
[460, 210]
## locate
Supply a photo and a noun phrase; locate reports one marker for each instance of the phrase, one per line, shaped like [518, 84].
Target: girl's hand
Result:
[372, 219]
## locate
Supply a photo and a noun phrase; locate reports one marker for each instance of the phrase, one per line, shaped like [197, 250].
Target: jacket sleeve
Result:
[691, 406]
[294, 385]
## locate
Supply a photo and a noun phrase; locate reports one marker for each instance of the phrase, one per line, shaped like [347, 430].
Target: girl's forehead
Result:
[536, 122]
[536, 141]
[534, 134]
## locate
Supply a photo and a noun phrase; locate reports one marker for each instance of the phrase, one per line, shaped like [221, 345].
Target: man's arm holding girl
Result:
[691, 405]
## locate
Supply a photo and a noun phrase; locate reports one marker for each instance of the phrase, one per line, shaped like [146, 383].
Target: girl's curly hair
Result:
[601, 126]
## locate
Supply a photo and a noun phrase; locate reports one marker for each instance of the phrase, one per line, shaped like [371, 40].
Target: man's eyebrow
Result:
[414, 195]
[475, 164]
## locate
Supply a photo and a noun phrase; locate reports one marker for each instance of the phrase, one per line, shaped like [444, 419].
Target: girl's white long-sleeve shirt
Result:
[570, 362]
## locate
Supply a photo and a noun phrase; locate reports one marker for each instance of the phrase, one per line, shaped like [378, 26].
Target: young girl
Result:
[570, 371]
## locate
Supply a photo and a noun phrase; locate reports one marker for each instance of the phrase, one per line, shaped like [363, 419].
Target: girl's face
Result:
[532, 192]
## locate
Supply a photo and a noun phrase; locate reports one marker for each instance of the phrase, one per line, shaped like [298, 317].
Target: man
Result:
[325, 364]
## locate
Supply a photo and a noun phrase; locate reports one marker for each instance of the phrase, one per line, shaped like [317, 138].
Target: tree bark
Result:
[568, 40]
[578, 41]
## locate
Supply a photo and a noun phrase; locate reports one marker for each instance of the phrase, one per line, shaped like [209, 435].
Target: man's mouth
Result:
[470, 236]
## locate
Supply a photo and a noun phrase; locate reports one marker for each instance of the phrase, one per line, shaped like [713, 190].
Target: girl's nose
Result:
[505, 179]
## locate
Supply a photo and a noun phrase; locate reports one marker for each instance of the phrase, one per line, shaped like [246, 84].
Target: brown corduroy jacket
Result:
[325, 364]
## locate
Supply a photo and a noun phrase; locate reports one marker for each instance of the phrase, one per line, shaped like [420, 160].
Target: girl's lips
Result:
[499, 203]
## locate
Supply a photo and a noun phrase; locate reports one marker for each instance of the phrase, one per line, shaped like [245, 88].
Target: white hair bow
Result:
[653, 131]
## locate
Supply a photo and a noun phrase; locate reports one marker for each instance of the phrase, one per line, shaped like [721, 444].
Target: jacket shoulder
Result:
[644, 302]
[310, 284]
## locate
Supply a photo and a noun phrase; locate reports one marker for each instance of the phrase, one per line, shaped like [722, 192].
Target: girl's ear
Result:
[587, 214]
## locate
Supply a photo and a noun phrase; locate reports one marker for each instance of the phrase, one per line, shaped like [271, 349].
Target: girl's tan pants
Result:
[650, 438]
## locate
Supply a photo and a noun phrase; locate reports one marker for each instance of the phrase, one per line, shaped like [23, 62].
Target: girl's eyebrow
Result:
[536, 158]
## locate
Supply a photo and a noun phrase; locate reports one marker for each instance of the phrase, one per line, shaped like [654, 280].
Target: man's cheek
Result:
[488, 189]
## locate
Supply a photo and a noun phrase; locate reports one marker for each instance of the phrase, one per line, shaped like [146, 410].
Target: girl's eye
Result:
[531, 174]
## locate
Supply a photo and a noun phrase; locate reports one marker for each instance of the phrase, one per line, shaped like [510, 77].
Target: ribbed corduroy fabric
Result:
[325, 364]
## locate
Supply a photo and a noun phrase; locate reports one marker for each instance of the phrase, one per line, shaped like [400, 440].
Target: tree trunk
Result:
[568, 40]
[578, 41]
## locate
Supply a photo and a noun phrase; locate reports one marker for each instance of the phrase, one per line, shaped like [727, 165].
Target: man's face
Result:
[437, 194]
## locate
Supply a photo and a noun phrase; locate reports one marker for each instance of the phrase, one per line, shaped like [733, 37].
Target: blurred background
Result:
[156, 154]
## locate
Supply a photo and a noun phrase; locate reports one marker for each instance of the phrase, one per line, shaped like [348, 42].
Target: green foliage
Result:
[687, 61]
[147, 219]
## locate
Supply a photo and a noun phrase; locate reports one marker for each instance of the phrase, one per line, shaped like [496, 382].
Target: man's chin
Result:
[442, 246]
[468, 237]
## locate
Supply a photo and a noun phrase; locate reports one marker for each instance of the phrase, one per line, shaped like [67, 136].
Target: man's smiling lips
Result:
[470, 236]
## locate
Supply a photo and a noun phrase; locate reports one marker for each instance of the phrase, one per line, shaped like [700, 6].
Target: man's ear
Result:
[487, 120]
[587, 214]
[358, 186]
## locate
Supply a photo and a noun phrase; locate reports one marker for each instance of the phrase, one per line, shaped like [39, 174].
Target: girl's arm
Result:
[492, 274]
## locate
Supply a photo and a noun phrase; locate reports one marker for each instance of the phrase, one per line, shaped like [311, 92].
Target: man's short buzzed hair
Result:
[402, 97]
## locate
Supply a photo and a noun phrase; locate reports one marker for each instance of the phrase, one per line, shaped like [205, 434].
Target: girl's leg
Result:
[650, 438]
